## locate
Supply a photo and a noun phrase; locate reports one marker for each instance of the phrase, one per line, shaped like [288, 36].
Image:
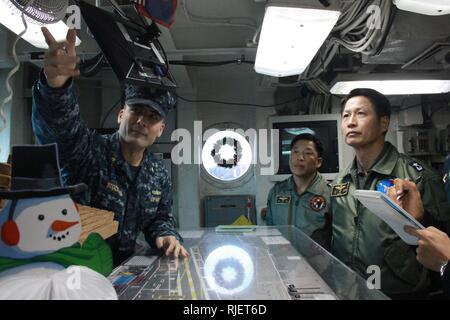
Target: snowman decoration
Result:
[40, 257]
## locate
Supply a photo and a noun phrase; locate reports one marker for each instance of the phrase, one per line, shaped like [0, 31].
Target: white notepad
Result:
[390, 212]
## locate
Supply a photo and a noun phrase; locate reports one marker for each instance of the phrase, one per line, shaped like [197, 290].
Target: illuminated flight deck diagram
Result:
[258, 265]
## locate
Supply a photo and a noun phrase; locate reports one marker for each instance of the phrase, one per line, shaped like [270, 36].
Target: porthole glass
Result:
[226, 156]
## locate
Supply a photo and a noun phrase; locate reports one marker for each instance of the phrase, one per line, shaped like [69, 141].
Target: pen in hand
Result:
[405, 192]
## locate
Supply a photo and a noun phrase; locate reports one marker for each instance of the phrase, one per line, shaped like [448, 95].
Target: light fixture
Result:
[228, 270]
[11, 19]
[40, 11]
[291, 36]
[427, 7]
[393, 84]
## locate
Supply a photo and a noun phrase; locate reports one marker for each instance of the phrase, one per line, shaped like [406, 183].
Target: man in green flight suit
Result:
[359, 238]
[303, 199]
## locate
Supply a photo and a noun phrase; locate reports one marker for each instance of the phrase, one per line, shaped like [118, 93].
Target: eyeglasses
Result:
[307, 153]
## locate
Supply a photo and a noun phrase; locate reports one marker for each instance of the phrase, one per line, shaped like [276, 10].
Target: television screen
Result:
[128, 47]
[326, 131]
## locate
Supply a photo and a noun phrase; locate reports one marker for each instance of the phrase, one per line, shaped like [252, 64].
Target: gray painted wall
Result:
[189, 187]
[97, 96]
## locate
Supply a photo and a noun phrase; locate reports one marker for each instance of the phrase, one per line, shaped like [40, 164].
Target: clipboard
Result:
[390, 212]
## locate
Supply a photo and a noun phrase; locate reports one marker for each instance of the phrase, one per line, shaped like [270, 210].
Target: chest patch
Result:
[114, 188]
[340, 190]
[283, 199]
[318, 203]
[154, 196]
[384, 185]
[155, 199]
[156, 192]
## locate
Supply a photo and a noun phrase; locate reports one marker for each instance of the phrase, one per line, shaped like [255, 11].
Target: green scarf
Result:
[94, 254]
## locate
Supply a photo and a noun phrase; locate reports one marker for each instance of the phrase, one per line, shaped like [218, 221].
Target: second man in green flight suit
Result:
[303, 199]
[360, 239]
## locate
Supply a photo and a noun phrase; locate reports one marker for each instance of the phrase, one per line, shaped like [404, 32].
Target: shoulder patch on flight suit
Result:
[317, 203]
[340, 190]
[283, 199]
[416, 166]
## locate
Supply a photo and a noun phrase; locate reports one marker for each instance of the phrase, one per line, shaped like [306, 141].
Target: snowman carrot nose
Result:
[59, 225]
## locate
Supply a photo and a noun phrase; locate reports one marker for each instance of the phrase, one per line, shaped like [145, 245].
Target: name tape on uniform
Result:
[283, 199]
[340, 190]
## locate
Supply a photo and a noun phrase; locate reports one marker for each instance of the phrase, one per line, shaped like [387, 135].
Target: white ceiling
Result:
[212, 30]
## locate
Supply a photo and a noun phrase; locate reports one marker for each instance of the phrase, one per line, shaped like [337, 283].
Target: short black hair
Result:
[379, 101]
[310, 137]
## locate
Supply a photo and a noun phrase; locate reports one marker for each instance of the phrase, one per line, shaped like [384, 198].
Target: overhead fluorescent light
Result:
[393, 84]
[427, 7]
[12, 20]
[290, 38]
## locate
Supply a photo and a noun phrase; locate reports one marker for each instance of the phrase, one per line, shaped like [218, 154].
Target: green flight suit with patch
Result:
[307, 211]
[360, 239]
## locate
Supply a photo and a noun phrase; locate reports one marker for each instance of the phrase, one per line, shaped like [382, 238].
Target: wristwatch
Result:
[443, 267]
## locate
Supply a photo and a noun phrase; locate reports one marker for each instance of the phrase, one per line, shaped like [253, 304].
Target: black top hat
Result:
[36, 173]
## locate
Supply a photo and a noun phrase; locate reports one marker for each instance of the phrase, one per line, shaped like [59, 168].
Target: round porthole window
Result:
[226, 156]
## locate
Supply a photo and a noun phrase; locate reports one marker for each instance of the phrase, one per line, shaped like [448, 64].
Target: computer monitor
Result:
[129, 47]
[325, 127]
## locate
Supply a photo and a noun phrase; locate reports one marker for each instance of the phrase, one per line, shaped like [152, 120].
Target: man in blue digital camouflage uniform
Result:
[123, 176]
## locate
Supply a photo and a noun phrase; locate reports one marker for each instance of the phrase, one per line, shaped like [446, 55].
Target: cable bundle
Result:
[362, 27]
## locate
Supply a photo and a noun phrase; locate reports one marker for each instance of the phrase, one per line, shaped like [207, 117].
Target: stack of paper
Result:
[97, 220]
[232, 228]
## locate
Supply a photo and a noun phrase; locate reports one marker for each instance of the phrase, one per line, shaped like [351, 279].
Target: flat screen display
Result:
[326, 131]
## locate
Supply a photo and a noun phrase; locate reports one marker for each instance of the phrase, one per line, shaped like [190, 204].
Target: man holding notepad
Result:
[434, 253]
[360, 238]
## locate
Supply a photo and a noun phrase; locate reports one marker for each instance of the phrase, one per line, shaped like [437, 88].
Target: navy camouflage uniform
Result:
[141, 198]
